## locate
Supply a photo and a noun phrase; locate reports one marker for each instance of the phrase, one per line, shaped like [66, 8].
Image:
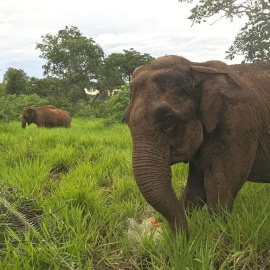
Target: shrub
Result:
[12, 106]
[115, 107]
[61, 103]
[85, 110]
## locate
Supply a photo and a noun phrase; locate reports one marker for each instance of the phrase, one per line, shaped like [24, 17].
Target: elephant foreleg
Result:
[220, 192]
[194, 195]
[227, 174]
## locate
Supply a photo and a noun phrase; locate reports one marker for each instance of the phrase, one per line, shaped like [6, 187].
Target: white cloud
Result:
[157, 27]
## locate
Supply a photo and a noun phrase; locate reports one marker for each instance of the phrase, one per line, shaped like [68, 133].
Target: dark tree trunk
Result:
[85, 97]
[94, 100]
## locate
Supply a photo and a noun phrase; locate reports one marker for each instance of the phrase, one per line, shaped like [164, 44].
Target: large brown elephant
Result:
[46, 116]
[214, 116]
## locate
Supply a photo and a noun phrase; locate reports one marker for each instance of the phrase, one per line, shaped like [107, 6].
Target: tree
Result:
[45, 87]
[120, 66]
[253, 40]
[131, 60]
[15, 81]
[114, 108]
[117, 70]
[111, 75]
[72, 58]
[2, 89]
[52, 89]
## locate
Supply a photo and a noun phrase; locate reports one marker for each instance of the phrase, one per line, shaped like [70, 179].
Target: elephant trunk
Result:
[23, 123]
[153, 176]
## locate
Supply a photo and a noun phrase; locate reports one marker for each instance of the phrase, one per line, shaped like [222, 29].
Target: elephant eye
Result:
[169, 122]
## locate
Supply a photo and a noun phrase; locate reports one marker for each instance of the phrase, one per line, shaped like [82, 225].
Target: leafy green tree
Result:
[133, 59]
[52, 89]
[111, 73]
[74, 59]
[2, 89]
[44, 87]
[119, 67]
[114, 108]
[253, 40]
[117, 70]
[15, 81]
[32, 85]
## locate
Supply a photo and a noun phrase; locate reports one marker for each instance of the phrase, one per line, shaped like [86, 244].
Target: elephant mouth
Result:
[177, 155]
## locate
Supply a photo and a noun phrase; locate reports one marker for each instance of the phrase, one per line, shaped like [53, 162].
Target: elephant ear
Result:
[32, 113]
[218, 92]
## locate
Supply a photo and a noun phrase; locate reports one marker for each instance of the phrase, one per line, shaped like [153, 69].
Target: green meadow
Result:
[69, 201]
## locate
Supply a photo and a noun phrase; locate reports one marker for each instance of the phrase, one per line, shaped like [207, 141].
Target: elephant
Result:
[46, 116]
[213, 116]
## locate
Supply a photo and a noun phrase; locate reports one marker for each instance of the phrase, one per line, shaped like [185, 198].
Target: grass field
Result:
[69, 201]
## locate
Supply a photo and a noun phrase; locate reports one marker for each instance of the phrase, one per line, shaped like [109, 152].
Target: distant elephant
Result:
[46, 116]
[214, 116]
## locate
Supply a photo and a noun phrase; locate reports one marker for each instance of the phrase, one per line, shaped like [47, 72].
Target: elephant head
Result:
[173, 104]
[29, 116]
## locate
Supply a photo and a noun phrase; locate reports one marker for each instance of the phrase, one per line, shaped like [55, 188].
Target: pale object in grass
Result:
[139, 231]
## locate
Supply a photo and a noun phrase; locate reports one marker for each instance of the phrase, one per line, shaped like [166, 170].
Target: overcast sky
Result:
[157, 27]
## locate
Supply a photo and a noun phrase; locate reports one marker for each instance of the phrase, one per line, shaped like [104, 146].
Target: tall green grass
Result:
[76, 190]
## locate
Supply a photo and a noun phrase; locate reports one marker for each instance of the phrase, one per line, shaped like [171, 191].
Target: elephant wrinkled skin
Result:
[214, 116]
[46, 116]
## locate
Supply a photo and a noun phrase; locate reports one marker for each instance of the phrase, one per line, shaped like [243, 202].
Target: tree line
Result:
[75, 68]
